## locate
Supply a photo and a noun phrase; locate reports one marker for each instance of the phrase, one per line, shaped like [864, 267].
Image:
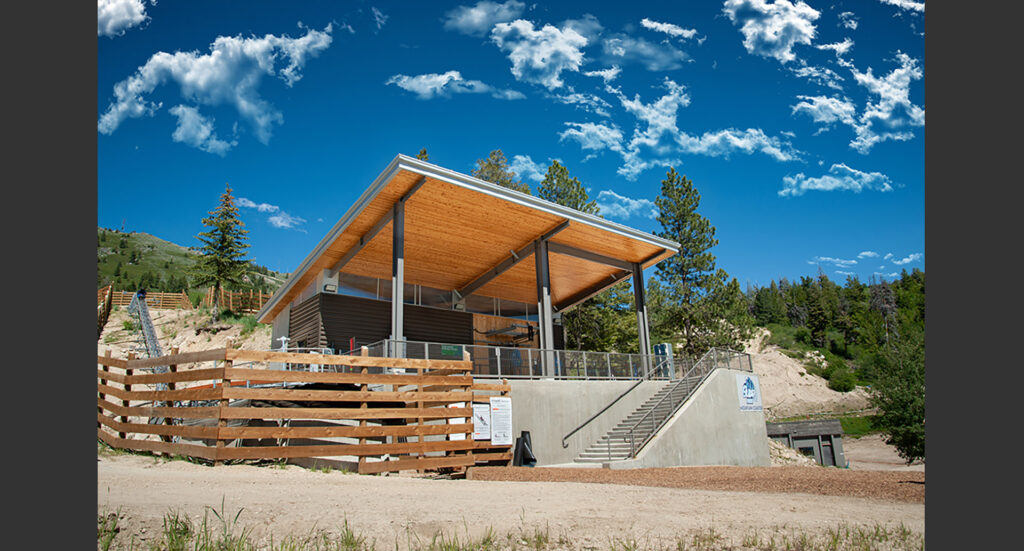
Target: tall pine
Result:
[495, 169]
[223, 252]
[557, 187]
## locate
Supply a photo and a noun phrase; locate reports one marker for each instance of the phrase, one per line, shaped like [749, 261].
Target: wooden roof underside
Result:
[454, 234]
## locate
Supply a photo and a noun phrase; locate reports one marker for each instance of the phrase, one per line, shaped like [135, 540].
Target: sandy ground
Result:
[787, 390]
[395, 510]
[871, 453]
[178, 328]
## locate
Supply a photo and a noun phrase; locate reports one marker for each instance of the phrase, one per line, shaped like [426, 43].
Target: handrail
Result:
[610, 404]
[713, 353]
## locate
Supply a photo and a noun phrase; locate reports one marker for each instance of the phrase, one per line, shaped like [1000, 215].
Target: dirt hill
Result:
[179, 328]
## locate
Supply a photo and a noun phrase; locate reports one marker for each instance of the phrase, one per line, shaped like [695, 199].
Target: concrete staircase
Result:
[615, 445]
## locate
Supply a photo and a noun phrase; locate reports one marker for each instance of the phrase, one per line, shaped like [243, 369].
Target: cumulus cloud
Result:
[829, 260]
[230, 74]
[432, 85]
[721, 143]
[614, 205]
[587, 102]
[893, 114]
[819, 75]
[668, 28]
[478, 20]
[842, 272]
[592, 136]
[827, 110]
[278, 218]
[607, 75]
[114, 17]
[539, 56]
[840, 177]
[911, 258]
[848, 20]
[525, 167]
[621, 49]
[906, 5]
[195, 130]
[886, 257]
[772, 30]
[867, 254]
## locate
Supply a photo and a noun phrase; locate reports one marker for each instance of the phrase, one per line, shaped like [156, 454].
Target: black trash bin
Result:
[523, 454]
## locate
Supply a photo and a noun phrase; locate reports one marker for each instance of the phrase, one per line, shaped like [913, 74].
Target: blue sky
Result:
[800, 123]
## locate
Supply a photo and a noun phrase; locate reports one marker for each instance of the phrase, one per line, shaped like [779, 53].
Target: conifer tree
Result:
[422, 155]
[495, 169]
[223, 252]
[557, 187]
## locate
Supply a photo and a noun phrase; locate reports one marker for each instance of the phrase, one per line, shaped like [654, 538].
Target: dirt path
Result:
[871, 453]
[395, 510]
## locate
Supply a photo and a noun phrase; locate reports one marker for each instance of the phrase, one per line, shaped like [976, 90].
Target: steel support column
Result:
[545, 319]
[398, 279]
[643, 328]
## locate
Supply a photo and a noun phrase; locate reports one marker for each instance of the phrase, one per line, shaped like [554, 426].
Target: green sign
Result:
[451, 350]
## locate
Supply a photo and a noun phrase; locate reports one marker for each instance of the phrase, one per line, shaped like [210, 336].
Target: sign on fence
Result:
[481, 422]
[501, 420]
[456, 421]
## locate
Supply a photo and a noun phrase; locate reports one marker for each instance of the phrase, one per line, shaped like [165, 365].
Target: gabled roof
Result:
[459, 228]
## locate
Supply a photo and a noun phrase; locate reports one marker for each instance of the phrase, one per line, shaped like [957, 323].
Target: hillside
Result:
[137, 259]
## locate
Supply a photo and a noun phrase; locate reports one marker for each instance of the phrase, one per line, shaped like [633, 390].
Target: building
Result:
[822, 440]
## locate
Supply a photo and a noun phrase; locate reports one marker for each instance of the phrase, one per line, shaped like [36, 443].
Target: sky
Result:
[801, 124]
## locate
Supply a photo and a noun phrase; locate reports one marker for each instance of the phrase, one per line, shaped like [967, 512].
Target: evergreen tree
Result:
[495, 169]
[690, 276]
[422, 155]
[899, 392]
[223, 259]
[557, 187]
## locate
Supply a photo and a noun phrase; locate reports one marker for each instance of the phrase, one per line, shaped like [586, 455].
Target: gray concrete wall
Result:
[549, 409]
[709, 429]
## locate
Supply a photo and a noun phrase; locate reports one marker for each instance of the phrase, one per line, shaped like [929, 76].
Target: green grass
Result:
[859, 426]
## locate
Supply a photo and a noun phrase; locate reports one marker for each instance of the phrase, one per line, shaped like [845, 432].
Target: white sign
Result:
[457, 421]
[749, 389]
[481, 422]
[501, 420]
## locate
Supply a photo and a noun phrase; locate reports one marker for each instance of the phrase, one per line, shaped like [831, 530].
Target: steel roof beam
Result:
[506, 264]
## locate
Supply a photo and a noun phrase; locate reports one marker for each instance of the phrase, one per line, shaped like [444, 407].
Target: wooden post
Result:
[127, 388]
[221, 420]
[103, 396]
[362, 405]
[172, 368]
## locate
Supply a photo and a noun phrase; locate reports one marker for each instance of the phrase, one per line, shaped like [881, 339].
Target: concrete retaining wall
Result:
[550, 409]
[709, 429]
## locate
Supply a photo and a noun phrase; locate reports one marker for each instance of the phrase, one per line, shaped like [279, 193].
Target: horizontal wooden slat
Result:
[186, 431]
[492, 456]
[498, 388]
[179, 359]
[358, 361]
[421, 463]
[206, 374]
[343, 413]
[162, 395]
[276, 375]
[342, 395]
[111, 362]
[190, 450]
[267, 452]
[183, 412]
[336, 431]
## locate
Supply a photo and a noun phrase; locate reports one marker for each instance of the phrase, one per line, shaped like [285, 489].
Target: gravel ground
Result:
[888, 485]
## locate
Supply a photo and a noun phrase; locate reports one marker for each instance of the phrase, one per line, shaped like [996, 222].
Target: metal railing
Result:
[509, 362]
[648, 425]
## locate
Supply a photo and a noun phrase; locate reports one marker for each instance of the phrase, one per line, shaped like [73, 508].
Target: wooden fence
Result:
[104, 301]
[229, 404]
[154, 300]
[237, 301]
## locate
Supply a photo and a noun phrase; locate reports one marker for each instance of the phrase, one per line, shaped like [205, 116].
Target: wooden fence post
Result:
[128, 388]
[221, 420]
[362, 405]
[99, 408]
[172, 368]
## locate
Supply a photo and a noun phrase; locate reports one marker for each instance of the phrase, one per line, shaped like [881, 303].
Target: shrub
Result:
[842, 380]
[802, 335]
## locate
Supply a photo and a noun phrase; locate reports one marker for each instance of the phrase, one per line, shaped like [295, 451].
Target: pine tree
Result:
[223, 259]
[557, 187]
[690, 276]
[495, 169]
[422, 155]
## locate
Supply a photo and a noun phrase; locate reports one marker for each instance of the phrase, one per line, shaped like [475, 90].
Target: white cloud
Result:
[892, 116]
[911, 258]
[431, 85]
[539, 56]
[614, 205]
[229, 75]
[840, 48]
[114, 17]
[827, 110]
[829, 260]
[668, 28]
[195, 130]
[587, 102]
[887, 256]
[841, 272]
[906, 5]
[279, 218]
[890, 276]
[588, 26]
[478, 20]
[722, 143]
[595, 137]
[378, 17]
[525, 167]
[867, 254]
[849, 20]
[772, 30]
[818, 75]
[607, 75]
[839, 177]
[622, 49]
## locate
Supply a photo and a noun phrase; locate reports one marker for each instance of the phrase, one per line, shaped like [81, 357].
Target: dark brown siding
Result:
[345, 317]
[304, 324]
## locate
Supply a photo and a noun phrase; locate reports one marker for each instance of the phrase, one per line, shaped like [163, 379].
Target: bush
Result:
[842, 380]
[802, 335]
